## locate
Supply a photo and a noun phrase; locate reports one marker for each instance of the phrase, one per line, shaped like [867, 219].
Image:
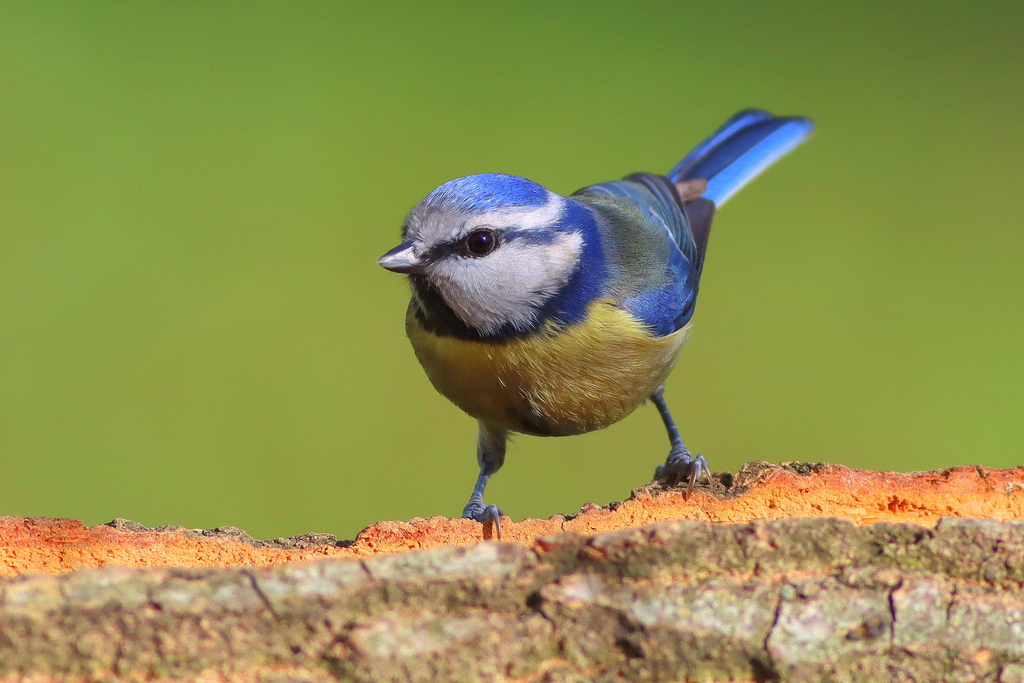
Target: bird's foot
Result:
[488, 515]
[681, 465]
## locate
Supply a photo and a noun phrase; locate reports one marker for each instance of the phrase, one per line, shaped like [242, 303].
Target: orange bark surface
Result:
[758, 491]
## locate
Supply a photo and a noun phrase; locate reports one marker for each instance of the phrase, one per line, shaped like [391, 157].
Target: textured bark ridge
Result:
[759, 491]
[806, 599]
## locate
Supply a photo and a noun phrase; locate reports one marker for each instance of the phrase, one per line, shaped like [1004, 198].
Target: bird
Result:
[551, 315]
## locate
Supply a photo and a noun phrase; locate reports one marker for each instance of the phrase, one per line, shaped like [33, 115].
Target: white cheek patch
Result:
[508, 286]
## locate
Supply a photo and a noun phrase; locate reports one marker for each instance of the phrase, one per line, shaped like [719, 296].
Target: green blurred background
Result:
[193, 329]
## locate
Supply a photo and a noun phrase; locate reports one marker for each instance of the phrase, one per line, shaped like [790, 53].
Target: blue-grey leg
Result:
[681, 465]
[490, 454]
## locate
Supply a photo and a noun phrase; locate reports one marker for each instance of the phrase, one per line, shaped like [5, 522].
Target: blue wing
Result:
[657, 258]
[732, 156]
[657, 200]
[739, 150]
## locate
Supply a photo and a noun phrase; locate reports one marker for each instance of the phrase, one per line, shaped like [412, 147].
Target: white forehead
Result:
[431, 225]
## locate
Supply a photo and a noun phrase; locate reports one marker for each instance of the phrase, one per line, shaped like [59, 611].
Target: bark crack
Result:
[770, 672]
[254, 582]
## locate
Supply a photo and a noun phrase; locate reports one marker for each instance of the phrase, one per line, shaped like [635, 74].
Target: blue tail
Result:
[736, 153]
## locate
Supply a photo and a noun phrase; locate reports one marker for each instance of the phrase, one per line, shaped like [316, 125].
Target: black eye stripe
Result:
[459, 247]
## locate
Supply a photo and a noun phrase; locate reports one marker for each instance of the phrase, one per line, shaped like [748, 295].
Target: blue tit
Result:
[550, 315]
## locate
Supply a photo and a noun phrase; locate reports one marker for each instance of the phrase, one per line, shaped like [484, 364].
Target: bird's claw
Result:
[488, 515]
[682, 465]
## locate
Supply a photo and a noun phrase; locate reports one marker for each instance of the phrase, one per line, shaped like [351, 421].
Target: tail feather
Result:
[739, 150]
[736, 122]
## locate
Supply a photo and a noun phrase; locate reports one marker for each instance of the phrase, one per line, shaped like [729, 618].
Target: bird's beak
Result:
[402, 259]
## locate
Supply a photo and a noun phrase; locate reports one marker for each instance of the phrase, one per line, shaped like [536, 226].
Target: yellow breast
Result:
[557, 382]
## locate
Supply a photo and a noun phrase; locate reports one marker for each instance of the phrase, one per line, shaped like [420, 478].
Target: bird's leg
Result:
[490, 453]
[681, 465]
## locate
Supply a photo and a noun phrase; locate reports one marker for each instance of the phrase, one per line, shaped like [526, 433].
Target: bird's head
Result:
[495, 248]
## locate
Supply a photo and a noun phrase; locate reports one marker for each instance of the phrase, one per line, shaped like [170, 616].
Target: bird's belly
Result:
[557, 382]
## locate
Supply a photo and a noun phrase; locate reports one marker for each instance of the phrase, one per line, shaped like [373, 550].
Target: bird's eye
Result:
[481, 242]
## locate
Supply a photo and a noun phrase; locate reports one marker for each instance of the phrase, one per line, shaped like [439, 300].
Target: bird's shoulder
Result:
[647, 273]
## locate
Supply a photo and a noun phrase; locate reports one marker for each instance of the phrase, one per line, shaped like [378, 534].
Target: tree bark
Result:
[806, 599]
